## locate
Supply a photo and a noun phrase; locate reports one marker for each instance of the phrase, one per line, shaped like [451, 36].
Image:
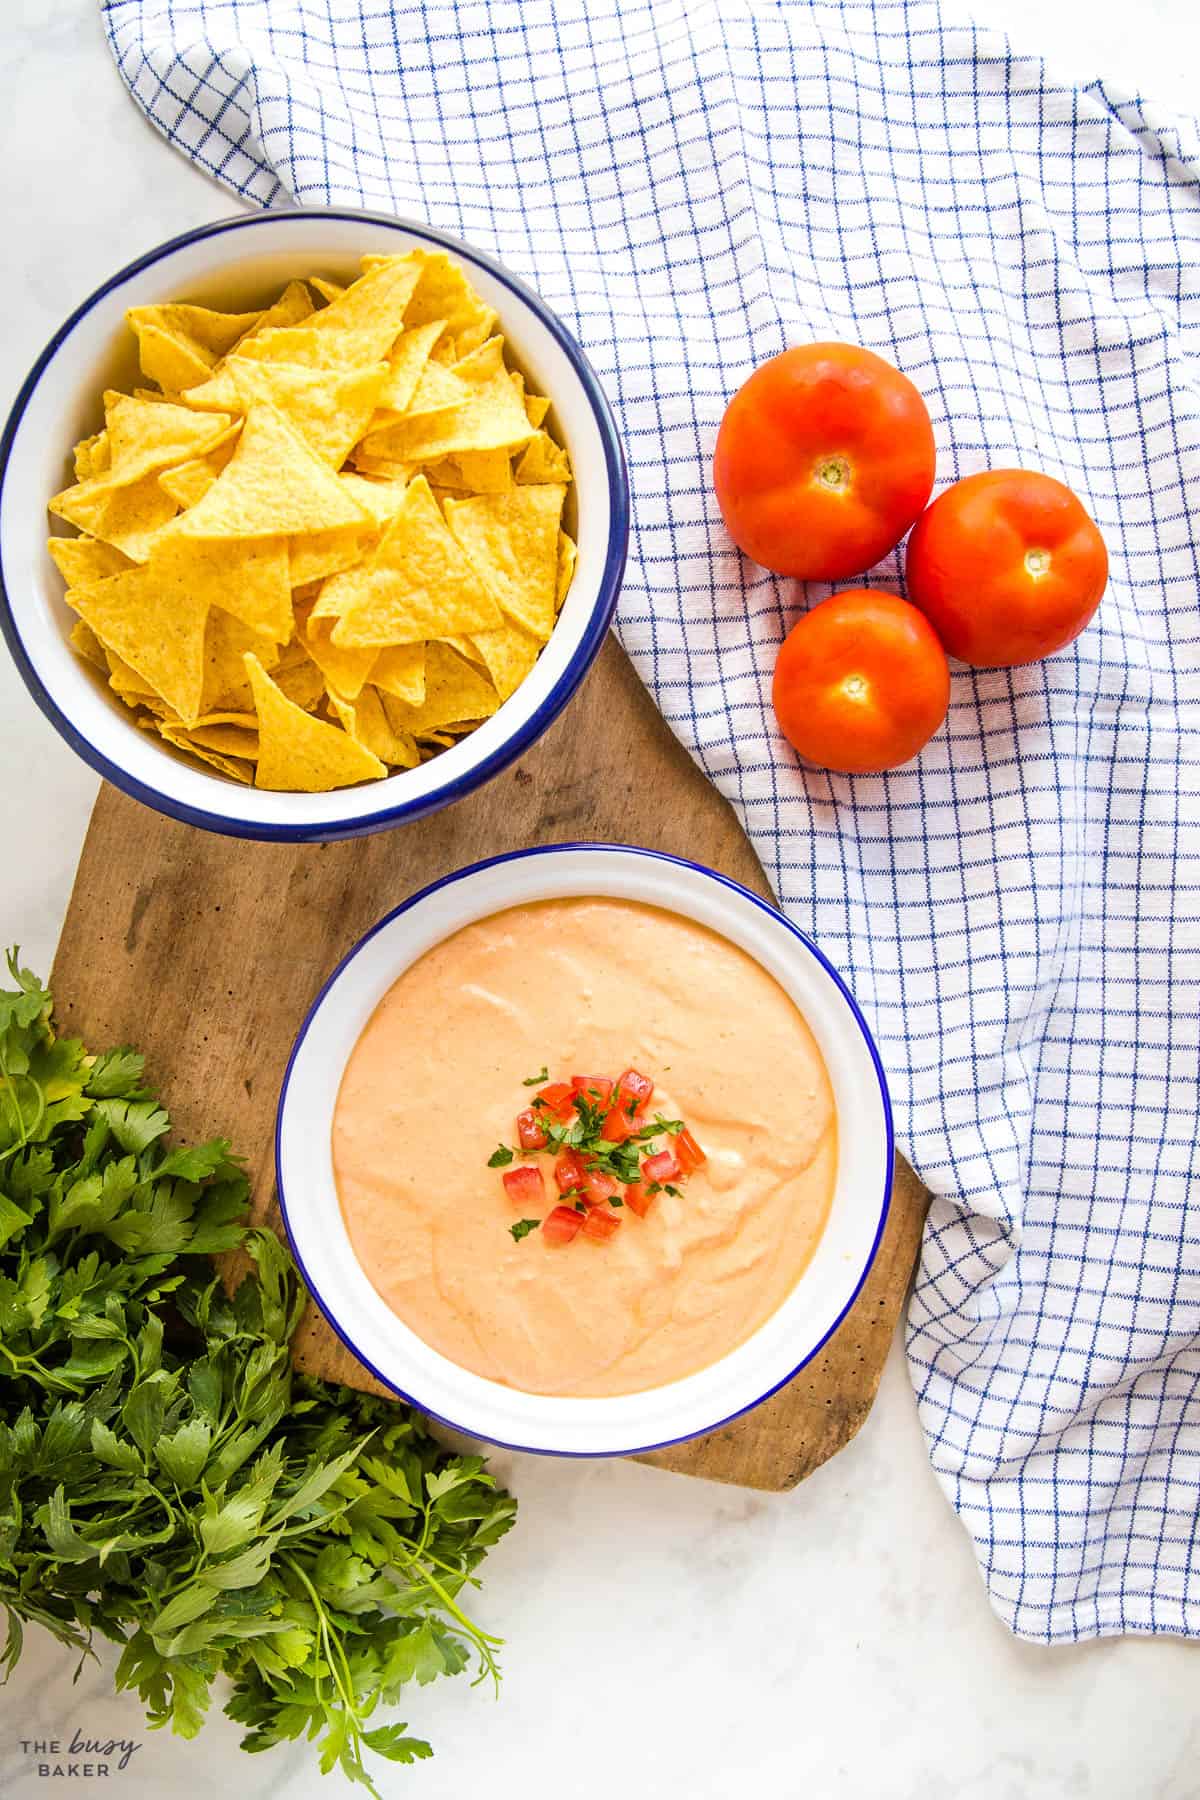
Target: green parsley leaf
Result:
[522, 1228]
[537, 1080]
[500, 1157]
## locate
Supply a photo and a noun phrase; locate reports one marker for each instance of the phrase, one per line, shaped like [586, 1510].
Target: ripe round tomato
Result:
[1007, 566]
[823, 460]
[861, 682]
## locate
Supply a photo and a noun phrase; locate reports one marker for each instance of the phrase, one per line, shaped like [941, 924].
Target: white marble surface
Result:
[664, 1636]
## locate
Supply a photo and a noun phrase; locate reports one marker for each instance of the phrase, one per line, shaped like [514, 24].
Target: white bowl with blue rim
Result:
[236, 264]
[625, 1423]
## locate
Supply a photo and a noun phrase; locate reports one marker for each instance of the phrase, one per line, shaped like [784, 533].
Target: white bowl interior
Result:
[242, 265]
[567, 1425]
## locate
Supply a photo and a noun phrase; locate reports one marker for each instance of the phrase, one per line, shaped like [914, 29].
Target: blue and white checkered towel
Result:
[694, 184]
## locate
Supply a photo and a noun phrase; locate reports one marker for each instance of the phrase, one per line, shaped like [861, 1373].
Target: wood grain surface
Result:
[206, 952]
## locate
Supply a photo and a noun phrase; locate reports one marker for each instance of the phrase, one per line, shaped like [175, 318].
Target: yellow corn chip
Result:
[345, 671]
[300, 754]
[180, 738]
[133, 689]
[146, 434]
[512, 539]
[329, 408]
[84, 640]
[274, 484]
[400, 671]
[485, 471]
[382, 468]
[405, 364]
[443, 292]
[373, 306]
[382, 499]
[92, 456]
[508, 654]
[293, 306]
[160, 636]
[454, 689]
[316, 554]
[218, 394]
[367, 724]
[492, 419]
[190, 481]
[437, 390]
[566, 567]
[125, 513]
[81, 559]
[306, 347]
[175, 362]
[543, 460]
[247, 577]
[298, 677]
[417, 584]
[214, 332]
[328, 290]
[536, 407]
[226, 641]
[232, 734]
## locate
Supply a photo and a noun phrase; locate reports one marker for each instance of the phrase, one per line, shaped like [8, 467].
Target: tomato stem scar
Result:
[833, 474]
[1037, 562]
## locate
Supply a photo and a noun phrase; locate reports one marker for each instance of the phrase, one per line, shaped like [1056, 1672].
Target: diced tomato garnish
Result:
[633, 1091]
[662, 1166]
[638, 1200]
[530, 1135]
[569, 1171]
[525, 1185]
[618, 1126]
[561, 1225]
[600, 1223]
[599, 1187]
[689, 1152]
[596, 1088]
[556, 1099]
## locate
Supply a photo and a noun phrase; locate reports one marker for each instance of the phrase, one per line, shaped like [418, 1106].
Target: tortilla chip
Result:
[175, 362]
[190, 481]
[214, 332]
[410, 353]
[345, 671]
[512, 539]
[226, 641]
[492, 419]
[306, 347]
[231, 734]
[454, 689]
[329, 408]
[567, 554]
[443, 292]
[180, 738]
[218, 394]
[298, 677]
[328, 290]
[146, 434]
[373, 307]
[127, 514]
[508, 654]
[400, 672]
[247, 577]
[82, 559]
[293, 306]
[92, 456]
[536, 407]
[485, 471]
[317, 554]
[382, 468]
[273, 485]
[418, 583]
[382, 499]
[543, 460]
[86, 644]
[300, 754]
[368, 725]
[159, 634]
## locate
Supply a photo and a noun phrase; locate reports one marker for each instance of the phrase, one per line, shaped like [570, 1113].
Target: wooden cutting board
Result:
[206, 952]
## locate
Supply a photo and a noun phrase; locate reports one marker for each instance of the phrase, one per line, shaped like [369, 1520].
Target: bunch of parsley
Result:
[166, 1479]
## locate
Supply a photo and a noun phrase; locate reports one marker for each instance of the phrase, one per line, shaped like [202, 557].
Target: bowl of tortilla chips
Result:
[310, 523]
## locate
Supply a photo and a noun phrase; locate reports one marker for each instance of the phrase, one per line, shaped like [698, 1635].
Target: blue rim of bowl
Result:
[400, 811]
[744, 893]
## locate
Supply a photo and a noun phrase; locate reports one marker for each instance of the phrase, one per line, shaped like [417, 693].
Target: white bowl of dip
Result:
[574, 1423]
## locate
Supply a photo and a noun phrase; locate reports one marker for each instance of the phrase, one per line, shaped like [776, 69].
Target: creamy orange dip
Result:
[585, 986]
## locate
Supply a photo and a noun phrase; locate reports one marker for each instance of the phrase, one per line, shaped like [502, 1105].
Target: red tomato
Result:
[569, 1171]
[596, 1088]
[525, 1185]
[824, 459]
[600, 1224]
[560, 1226]
[689, 1152]
[633, 1091]
[1007, 566]
[662, 1166]
[557, 1100]
[599, 1187]
[618, 1126]
[530, 1135]
[637, 1199]
[861, 682]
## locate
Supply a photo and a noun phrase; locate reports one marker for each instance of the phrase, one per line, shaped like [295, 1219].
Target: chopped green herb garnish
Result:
[672, 1190]
[522, 1228]
[581, 1206]
[501, 1156]
[615, 1200]
[536, 1080]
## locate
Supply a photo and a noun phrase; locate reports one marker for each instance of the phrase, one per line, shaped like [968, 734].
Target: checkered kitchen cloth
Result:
[692, 185]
